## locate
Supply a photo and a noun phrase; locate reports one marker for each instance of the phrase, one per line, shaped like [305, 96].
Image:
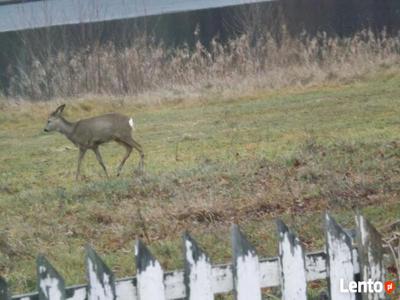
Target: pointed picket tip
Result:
[4, 295]
[246, 268]
[339, 260]
[367, 230]
[92, 256]
[193, 249]
[335, 229]
[292, 264]
[240, 245]
[369, 237]
[150, 275]
[144, 258]
[284, 230]
[370, 253]
[100, 277]
[50, 283]
[198, 271]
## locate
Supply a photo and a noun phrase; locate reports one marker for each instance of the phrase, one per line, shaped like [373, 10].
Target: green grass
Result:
[290, 154]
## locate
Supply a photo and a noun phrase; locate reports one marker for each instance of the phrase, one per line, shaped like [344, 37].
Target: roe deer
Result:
[90, 133]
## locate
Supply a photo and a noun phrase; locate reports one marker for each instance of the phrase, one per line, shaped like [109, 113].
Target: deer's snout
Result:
[45, 130]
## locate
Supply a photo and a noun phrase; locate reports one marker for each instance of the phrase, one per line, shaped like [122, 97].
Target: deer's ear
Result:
[59, 110]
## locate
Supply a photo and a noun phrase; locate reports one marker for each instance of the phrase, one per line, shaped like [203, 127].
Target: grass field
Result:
[291, 154]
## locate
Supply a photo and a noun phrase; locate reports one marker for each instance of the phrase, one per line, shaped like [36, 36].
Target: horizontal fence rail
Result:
[349, 256]
[45, 13]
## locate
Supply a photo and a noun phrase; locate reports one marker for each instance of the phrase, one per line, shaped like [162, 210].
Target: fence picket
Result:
[174, 285]
[370, 252]
[50, 283]
[150, 276]
[246, 268]
[340, 268]
[126, 289]
[341, 263]
[4, 295]
[292, 263]
[101, 279]
[198, 271]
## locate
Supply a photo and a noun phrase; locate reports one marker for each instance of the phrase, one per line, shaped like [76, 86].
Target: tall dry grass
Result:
[269, 61]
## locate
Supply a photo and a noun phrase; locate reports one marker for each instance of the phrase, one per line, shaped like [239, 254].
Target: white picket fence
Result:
[349, 256]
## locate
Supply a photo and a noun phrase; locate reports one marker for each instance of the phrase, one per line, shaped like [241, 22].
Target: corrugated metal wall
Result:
[38, 14]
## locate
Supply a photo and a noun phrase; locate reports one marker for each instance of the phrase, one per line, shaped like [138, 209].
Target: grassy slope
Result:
[292, 153]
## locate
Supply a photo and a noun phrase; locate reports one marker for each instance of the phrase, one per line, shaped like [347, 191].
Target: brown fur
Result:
[91, 133]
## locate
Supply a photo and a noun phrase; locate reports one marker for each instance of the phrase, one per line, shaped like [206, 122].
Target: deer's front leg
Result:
[100, 160]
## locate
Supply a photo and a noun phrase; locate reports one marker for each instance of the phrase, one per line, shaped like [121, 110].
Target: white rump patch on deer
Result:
[131, 123]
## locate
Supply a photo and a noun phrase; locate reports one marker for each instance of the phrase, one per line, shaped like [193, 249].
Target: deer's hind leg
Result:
[129, 143]
[138, 147]
[82, 152]
[128, 152]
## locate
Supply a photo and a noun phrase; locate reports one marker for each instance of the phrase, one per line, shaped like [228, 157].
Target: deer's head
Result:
[54, 120]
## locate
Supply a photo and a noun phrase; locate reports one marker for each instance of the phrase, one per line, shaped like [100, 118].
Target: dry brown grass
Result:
[241, 64]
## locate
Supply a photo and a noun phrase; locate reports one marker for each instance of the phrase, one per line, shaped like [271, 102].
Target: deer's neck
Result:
[66, 128]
